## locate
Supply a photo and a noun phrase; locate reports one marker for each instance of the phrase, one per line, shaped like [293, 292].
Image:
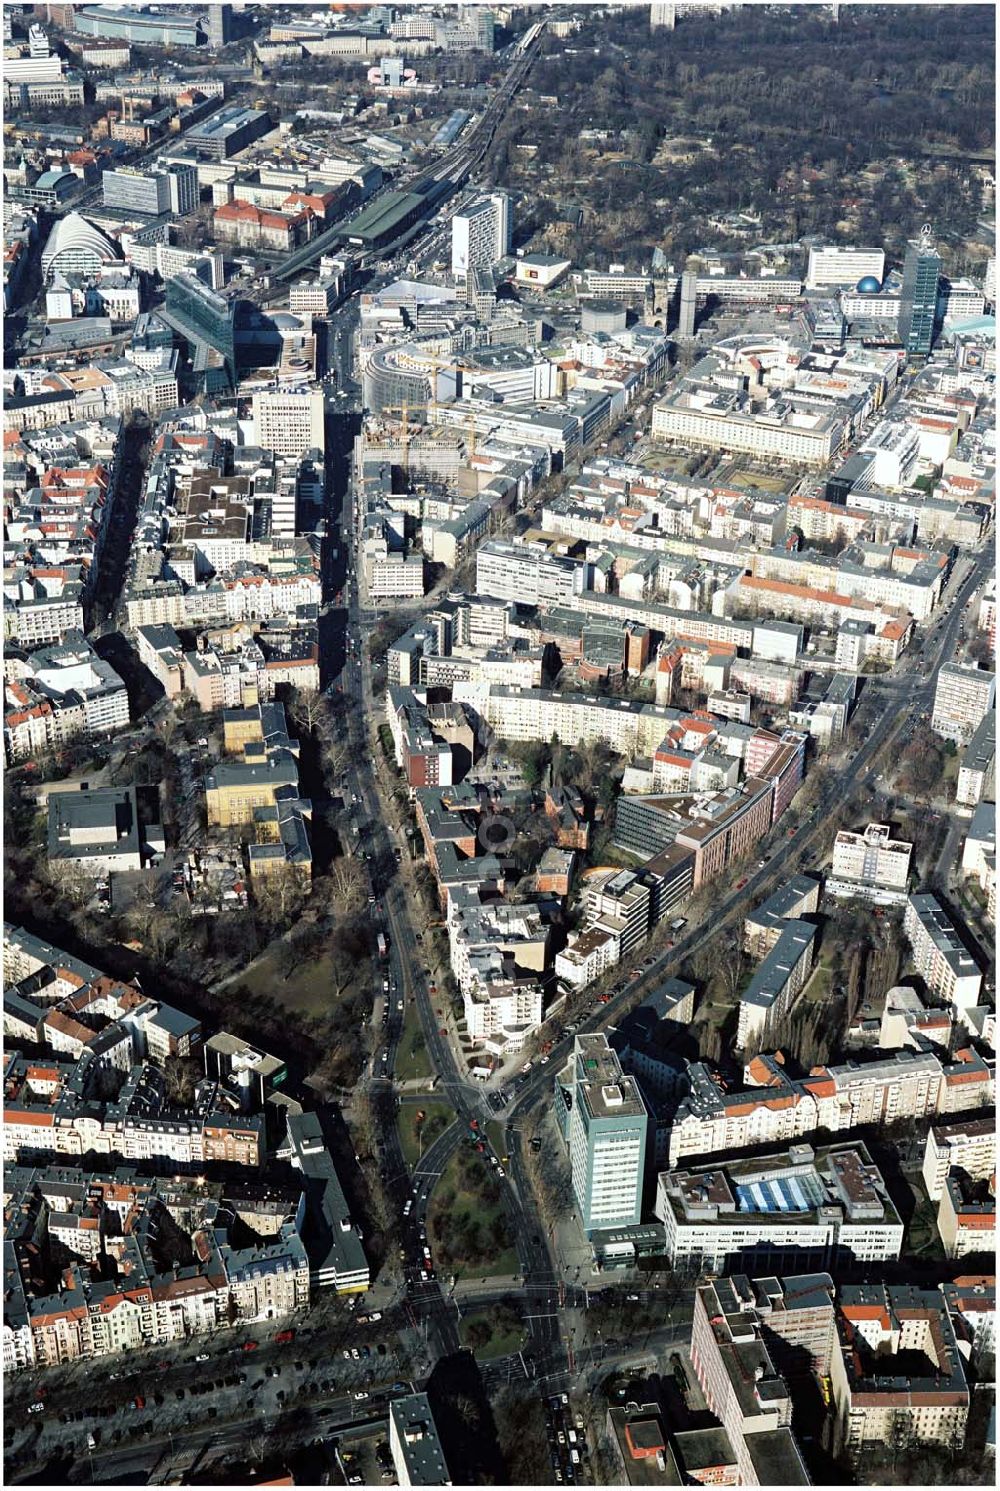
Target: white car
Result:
[36, 1408]
[360, 1397]
[202, 1356]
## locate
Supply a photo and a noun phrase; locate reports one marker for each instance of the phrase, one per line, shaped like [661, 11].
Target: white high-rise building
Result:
[836, 265]
[605, 1129]
[963, 696]
[663, 15]
[869, 863]
[990, 282]
[480, 234]
[289, 421]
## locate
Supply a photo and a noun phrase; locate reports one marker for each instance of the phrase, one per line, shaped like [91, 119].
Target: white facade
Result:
[963, 695]
[480, 234]
[289, 421]
[833, 265]
[939, 954]
[871, 859]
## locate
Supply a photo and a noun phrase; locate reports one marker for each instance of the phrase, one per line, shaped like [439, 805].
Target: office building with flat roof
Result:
[919, 297]
[804, 1208]
[871, 865]
[228, 131]
[414, 1444]
[604, 1120]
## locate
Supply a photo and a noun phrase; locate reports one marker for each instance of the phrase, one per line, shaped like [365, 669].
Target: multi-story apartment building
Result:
[414, 1443]
[964, 694]
[939, 953]
[603, 1119]
[870, 865]
[621, 904]
[130, 1301]
[736, 1369]
[977, 767]
[66, 691]
[879, 1393]
[480, 234]
[909, 1084]
[775, 986]
[968, 1144]
[967, 1217]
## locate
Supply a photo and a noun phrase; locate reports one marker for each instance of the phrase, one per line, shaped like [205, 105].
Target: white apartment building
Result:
[969, 1145]
[871, 865]
[588, 954]
[500, 1015]
[621, 905]
[480, 234]
[777, 983]
[835, 265]
[963, 696]
[940, 955]
[526, 573]
[289, 421]
[538, 714]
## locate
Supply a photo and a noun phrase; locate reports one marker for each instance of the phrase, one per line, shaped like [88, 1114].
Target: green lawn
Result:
[501, 1342]
[311, 989]
[461, 1221]
[817, 989]
[495, 1134]
[412, 1060]
[437, 1117]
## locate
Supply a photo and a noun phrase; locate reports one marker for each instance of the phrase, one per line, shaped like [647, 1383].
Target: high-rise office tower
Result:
[606, 1132]
[220, 25]
[689, 296]
[918, 301]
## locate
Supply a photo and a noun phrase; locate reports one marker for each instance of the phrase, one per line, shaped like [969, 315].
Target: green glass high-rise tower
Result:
[918, 302]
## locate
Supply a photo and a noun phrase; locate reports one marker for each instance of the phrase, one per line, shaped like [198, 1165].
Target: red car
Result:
[604, 999]
[741, 883]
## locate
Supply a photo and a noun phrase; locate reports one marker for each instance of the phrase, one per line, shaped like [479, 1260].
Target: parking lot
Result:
[568, 1449]
[85, 1409]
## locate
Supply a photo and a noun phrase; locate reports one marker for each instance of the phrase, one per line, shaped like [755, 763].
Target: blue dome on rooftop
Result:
[869, 285]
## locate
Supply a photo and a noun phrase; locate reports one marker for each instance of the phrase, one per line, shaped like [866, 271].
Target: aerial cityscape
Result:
[500, 747]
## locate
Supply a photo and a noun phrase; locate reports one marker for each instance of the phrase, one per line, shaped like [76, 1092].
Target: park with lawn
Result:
[419, 1124]
[412, 1059]
[466, 1220]
[495, 1332]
